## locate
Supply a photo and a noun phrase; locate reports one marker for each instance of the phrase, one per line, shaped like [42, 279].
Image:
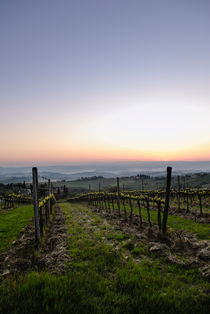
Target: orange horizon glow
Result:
[101, 154]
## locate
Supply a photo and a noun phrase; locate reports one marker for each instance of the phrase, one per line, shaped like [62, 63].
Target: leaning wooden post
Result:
[118, 196]
[168, 186]
[36, 204]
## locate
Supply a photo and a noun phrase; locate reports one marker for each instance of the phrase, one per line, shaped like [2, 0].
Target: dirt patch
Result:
[52, 255]
[54, 252]
[177, 247]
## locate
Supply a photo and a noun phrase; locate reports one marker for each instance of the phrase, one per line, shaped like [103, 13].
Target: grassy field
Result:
[151, 183]
[12, 222]
[109, 271]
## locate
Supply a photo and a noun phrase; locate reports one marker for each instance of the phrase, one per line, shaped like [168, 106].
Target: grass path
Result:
[134, 276]
[109, 271]
[12, 222]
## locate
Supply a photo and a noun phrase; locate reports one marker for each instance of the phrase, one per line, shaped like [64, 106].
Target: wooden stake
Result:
[131, 206]
[148, 214]
[178, 195]
[118, 195]
[140, 218]
[36, 204]
[49, 192]
[200, 203]
[165, 213]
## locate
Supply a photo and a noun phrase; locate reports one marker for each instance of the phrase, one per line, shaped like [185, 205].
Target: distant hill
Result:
[105, 169]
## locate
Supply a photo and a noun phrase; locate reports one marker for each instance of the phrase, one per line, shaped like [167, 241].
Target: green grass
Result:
[201, 230]
[12, 222]
[104, 276]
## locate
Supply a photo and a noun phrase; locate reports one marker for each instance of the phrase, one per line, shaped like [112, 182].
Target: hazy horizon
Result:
[105, 169]
[97, 162]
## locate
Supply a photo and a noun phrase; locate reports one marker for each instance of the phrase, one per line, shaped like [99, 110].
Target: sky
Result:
[104, 80]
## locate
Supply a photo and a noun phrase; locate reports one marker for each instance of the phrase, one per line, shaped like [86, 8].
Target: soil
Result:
[51, 255]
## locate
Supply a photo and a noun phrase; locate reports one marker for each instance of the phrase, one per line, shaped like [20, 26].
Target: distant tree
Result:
[112, 188]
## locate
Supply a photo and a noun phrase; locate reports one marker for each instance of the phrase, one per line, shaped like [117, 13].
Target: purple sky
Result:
[65, 64]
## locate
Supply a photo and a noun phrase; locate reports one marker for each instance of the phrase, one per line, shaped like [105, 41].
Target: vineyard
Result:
[185, 202]
[105, 252]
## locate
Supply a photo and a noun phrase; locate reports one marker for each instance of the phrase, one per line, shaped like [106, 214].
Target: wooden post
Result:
[165, 213]
[187, 210]
[131, 206]
[51, 201]
[89, 187]
[148, 214]
[118, 195]
[36, 204]
[140, 218]
[108, 204]
[99, 187]
[178, 195]
[49, 192]
[200, 203]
